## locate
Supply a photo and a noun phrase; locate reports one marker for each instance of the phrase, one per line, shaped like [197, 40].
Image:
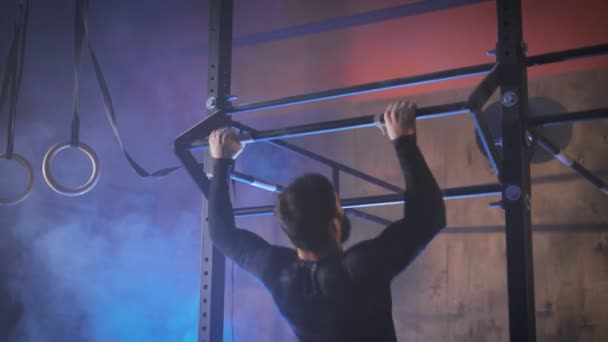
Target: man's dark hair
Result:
[305, 210]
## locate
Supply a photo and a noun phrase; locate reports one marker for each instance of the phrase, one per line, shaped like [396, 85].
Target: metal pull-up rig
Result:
[509, 74]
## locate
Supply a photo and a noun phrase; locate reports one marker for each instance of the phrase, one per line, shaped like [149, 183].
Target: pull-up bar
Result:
[364, 121]
[370, 121]
[197, 142]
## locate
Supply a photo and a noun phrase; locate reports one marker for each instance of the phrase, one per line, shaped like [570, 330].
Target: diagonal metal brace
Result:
[477, 100]
[551, 148]
[183, 150]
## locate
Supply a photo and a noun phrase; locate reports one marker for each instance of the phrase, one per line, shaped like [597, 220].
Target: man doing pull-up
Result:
[325, 293]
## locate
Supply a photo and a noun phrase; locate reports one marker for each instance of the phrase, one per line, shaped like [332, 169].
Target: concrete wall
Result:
[121, 263]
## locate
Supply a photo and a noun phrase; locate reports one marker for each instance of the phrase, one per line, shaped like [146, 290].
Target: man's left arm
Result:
[245, 248]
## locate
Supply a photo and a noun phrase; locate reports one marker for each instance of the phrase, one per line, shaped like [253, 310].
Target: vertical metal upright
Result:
[517, 142]
[211, 313]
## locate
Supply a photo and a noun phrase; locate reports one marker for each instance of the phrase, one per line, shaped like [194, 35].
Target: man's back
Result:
[328, 300]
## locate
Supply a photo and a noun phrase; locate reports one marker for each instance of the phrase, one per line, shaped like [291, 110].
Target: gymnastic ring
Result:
[64, 190]
[30, 179]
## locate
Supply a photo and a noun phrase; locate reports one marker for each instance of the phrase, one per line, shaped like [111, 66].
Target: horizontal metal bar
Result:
[568, 118]
[354, 123]
[370, 17]
[277, 188]
[448, 194]
[359, 19]
[336, 125]
[567, 55]
[537, 228]
[439, 76]
[366, 88]
[369, 121]
[383, 200]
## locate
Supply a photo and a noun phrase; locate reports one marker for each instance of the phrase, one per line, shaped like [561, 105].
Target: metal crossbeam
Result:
[568, 118]
[366, 18]
[333, 125]
[402, 82]
[277, 188]
[341, 23]
[383, 200]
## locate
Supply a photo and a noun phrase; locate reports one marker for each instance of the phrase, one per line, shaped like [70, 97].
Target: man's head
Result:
[310, 214]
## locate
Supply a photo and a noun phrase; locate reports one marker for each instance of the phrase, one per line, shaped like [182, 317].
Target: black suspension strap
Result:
[11, 85]
[79, 37]
[82, 42]
[110, 112]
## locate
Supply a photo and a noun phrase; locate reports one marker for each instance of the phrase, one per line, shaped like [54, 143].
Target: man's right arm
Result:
[424, 216]
[424, 211]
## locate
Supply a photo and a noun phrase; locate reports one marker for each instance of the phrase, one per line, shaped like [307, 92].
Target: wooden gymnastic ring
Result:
[30, 179]
[64, 190]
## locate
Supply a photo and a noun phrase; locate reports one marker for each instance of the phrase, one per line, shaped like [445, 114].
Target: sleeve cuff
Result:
[222, 166]
[223, 161]
[404, 142]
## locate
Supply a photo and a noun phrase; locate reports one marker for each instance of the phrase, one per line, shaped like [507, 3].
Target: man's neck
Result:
[319, 255]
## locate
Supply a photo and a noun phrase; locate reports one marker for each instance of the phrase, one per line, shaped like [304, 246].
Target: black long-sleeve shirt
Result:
[346, 297]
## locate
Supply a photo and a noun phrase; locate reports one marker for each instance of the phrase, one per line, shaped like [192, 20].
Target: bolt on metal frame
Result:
[513, 167]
